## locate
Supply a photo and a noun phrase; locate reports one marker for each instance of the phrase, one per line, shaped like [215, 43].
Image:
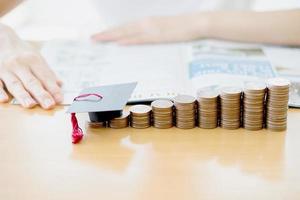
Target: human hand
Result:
[25, 74]
[156, 30]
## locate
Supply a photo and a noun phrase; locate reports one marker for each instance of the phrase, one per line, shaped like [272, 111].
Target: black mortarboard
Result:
[102, 103]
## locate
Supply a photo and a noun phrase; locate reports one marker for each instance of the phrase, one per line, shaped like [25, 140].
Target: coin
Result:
[277, 104]
[207, 108]
[140, 109]
[162, 111]
[278, 83]
[96, 124]
[230, 103]
[253, 105]
[140, 116]
[162, 104]
[120, 122]
[185, 110]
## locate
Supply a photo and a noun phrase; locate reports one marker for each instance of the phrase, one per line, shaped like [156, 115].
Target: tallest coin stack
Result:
[277, 104]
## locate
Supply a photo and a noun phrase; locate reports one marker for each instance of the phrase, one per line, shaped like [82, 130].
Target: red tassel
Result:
[77, 133]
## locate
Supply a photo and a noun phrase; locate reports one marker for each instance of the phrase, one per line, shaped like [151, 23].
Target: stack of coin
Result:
[185, 107]
[120, 122]
[140, 116]
[97, 124]
[207, 108]
[253, 105]
[277, 104]
[162, 113]
[230, 99]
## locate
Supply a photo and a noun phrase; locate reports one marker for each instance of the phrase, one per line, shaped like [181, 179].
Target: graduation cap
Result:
[102, 103]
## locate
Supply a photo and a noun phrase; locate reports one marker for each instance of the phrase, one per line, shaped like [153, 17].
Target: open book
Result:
[162, 71]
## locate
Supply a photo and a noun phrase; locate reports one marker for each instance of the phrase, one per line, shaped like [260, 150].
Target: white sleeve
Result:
[266, 5]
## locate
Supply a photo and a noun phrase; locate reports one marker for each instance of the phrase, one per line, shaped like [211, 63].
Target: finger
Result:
[59, 82]
[34, 87]
[117, 33]
[47, 77]
[15, 87]
[3, 95]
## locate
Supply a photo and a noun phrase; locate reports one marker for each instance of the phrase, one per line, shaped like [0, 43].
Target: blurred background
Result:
[73, 19]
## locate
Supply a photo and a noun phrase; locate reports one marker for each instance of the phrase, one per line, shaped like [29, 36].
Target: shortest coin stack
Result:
[140, 116]
[253, 112]
[97, 124]
[277, 104]
[207, 108]
[162, 113]
[185, 108]
[120, 122]
[230, 107]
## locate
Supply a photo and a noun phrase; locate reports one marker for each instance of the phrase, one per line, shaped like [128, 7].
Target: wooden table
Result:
[38, 161]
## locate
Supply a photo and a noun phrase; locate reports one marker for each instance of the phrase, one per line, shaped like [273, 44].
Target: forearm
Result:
[277, 27]
[7, 38]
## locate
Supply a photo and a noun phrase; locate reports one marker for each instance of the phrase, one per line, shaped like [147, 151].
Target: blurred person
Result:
[28, 78]
[276, 22]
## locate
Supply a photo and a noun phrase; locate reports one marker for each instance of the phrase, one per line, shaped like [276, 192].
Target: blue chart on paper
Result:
[261, 69]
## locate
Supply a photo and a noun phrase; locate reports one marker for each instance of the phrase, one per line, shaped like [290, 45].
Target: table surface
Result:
[38, 161]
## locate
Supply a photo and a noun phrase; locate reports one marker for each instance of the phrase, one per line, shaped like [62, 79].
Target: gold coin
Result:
[162, 104]
[140, 109]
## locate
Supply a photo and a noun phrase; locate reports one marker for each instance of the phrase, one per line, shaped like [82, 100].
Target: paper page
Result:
[215, 63]
[81, 64]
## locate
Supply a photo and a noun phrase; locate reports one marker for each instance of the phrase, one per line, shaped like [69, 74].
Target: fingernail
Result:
[29, 103]
[60, 83]
[58, 98]
[48, 103]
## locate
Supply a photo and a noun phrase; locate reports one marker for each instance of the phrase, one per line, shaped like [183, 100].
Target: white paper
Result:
[156, 68]
[162, 71]
[227, 64]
